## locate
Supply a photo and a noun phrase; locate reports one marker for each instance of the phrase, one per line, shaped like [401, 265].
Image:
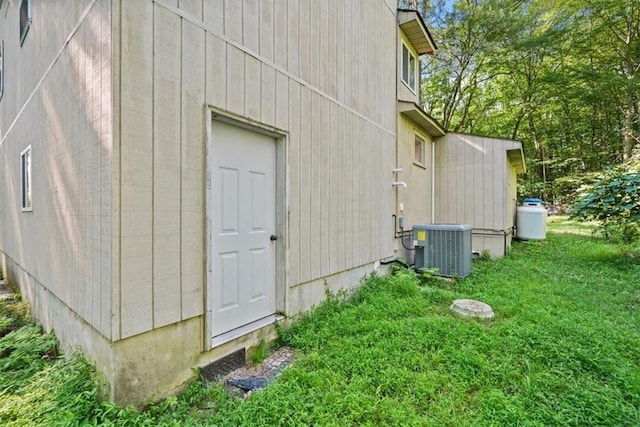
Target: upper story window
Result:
[25, 19]
[25, 172]
[409, 65]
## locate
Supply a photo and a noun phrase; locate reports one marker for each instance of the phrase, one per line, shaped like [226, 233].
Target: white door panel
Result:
[243, 220]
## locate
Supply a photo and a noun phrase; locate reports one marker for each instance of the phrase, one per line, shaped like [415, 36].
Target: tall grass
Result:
[562, 350]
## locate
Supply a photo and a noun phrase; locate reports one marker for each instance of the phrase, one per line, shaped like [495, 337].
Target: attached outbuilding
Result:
[476, 183]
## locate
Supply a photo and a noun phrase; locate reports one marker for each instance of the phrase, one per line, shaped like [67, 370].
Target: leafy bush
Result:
[613, 201]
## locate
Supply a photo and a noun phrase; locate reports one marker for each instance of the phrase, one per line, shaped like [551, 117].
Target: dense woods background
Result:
[559, 75]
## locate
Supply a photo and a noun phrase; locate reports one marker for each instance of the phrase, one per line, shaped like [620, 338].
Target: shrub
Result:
[614, 202]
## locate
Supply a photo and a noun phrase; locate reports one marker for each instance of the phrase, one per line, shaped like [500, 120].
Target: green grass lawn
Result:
[563, 349]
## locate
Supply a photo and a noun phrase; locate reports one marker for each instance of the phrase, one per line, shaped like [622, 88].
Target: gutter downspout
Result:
[433, 182]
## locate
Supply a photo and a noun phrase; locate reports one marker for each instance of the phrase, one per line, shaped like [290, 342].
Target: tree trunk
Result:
[628, 141]
[542, 170]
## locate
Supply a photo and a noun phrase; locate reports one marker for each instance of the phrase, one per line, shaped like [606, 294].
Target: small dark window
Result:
[25, 19]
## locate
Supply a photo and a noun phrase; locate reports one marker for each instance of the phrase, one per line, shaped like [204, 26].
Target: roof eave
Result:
[416, 31]
[516, 158]
[413, 112]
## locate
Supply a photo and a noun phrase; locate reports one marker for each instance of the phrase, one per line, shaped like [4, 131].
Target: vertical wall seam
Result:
[286, 38]
[181, 140]
[101, 193]
[205, 245]
[120, 172]
[206, 71]
[259, 29]
[153, 163]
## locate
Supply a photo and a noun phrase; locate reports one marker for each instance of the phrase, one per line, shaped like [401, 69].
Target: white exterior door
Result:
[243, 231]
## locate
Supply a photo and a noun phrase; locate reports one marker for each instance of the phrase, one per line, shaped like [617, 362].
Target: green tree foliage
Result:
[613, 201]
[562, 77]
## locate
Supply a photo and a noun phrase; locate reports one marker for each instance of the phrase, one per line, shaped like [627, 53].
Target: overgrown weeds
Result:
[14, 314]
[259, 352]
[562, 350]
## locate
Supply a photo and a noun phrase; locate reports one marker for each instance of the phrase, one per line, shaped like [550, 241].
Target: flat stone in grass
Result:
[472, 308]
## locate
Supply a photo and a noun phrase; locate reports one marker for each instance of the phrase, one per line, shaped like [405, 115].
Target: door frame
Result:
[280, 136]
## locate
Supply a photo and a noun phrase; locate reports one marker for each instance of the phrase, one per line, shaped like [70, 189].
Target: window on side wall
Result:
[25, 19]
[408, 68]
[25, 171]
[418, 154]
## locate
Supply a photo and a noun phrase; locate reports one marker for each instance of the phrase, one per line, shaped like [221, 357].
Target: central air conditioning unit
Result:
[446, 247]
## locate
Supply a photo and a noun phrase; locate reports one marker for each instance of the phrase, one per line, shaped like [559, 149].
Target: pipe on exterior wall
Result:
[397, 119]
[433, 182]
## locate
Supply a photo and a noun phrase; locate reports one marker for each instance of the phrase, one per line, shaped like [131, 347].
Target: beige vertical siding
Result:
[318, 71]
[57, 99]
[193, 7]
[114, 105]
[32, 60]
[192, 170]
[476, 184]
[296, 174]
[136, 168]
[166, 166]
[162, 129]
[302, 203]
[216, 70]
[416, 198]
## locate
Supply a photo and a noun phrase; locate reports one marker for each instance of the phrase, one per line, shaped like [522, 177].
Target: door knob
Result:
[273, 238]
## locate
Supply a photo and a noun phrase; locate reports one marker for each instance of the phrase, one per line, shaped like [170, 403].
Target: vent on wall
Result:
[446, 247]
[221, 367]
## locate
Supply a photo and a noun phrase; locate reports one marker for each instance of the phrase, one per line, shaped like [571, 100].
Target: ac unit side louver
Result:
[446, 247]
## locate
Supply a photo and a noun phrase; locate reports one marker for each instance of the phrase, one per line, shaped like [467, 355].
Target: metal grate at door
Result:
[221, 367]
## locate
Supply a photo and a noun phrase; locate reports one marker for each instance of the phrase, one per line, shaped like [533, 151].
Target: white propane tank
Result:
[531, 220]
